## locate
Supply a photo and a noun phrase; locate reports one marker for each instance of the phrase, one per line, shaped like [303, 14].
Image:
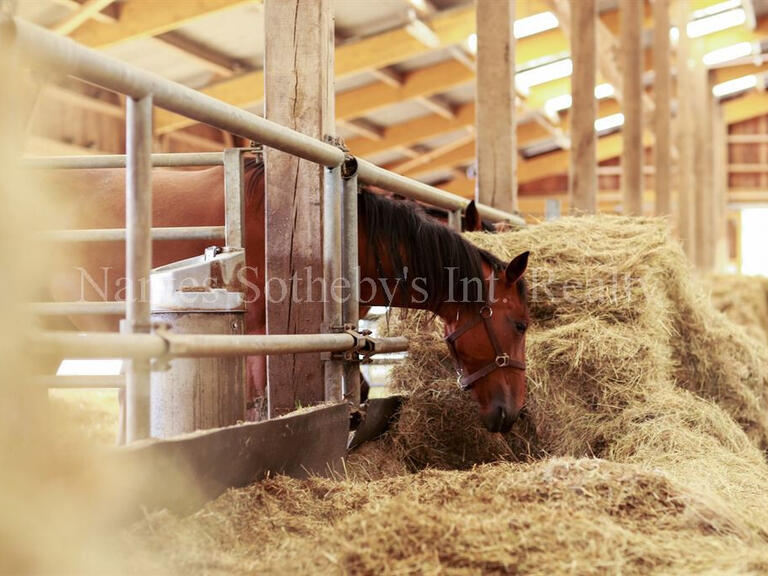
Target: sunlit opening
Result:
[609, 122]
[754, 239]
[535, 24]
[542, 74]
[734, 86]
[716, 22]
[733, 52]
[102, 367]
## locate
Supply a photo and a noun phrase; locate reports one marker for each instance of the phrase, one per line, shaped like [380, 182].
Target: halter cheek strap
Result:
[502, 359]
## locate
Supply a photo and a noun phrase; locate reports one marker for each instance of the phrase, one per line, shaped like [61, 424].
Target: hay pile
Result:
[554, 517]
[744, 299]
[642, 450]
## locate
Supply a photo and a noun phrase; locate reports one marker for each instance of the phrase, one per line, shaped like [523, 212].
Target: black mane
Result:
[414, 241]
[427, 249]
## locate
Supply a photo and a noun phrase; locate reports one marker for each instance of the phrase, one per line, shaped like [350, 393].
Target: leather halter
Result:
[502, 359]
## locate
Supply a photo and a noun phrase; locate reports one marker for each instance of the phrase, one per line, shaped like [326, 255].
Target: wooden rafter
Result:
[145, 18]
[80, 16]
[750, 105]
[214, 60]
[382, 50]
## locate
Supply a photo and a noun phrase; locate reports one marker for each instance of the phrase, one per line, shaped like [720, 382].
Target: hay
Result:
[744, 300]
[615, 315]
[648, 403]
[553, 517]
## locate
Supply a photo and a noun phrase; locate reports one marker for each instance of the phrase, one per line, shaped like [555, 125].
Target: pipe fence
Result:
[138, 342]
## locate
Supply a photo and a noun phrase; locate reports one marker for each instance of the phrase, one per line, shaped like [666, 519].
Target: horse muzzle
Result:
[499, 419]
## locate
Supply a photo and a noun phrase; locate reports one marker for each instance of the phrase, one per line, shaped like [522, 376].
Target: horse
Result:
[481, 300]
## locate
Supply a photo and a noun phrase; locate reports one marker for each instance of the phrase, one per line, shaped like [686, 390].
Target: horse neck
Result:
[382, 275]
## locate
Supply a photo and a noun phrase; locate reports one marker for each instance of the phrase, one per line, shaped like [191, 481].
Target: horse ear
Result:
[516, 268]
[472, 220]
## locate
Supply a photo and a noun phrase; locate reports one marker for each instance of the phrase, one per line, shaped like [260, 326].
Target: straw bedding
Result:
[642, 449]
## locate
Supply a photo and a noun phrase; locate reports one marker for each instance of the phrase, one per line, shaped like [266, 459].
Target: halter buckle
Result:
[502, 360]
[486, 312]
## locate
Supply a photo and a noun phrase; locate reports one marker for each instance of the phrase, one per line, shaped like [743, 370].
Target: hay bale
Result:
[743, 299]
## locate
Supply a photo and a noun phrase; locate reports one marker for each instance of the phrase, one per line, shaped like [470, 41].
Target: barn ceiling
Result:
[405, 71]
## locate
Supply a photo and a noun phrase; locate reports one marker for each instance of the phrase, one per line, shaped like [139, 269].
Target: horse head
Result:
[488, 345]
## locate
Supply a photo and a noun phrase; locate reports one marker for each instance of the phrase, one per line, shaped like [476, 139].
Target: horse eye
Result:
[521, 327]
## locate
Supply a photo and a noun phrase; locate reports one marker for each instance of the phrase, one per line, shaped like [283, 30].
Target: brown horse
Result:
[407, 259]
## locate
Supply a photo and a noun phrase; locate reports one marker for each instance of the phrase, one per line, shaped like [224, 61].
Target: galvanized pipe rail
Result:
[174, 160]
[81, 308]
[64, 56]
[119, 234]
[167, 344]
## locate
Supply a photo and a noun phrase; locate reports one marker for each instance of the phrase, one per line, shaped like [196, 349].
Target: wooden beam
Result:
[720, 187]
[461, 151]
[145, 18]
[80, 16]
[364, 128]
[389, 77]
[608, 147]
[703, 154]
[553, 163]
[436, 105]
[215, 61]
[496, 137]
[757, 168]
[299, 88]
[747, 138]
[583, 176]
[632, 83]
[685, 135]
[751, 105]
[105, 16]
[413, 131]
[425, 82]
[247, 90]
[730, 72]
[381, 50]
[663, 116]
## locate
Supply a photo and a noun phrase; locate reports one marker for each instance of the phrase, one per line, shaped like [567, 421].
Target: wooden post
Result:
[685, 203]
[496, 132]
[632, 86]
[583, 173]
[720, 167]
[298, 64]
[663, 96]
[703, 154]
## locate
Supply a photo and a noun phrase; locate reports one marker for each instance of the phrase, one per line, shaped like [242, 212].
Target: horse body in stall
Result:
[430, 264]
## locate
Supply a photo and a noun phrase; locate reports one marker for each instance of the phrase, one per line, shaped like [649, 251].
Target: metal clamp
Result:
[362, 345]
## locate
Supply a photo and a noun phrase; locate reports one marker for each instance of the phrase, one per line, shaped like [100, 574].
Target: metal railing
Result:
[138, 342]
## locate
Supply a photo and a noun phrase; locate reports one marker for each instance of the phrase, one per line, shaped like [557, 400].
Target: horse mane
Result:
[422, 248]
[254, 174]
[414, 241]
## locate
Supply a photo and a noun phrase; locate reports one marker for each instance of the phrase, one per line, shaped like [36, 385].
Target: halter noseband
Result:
[502, 359]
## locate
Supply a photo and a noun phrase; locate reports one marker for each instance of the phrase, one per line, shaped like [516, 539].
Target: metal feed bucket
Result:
[200, 295]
